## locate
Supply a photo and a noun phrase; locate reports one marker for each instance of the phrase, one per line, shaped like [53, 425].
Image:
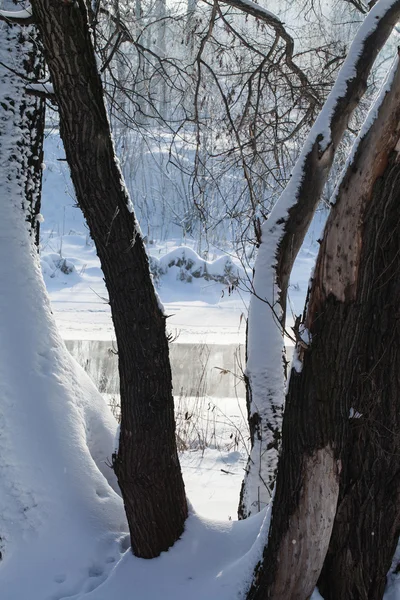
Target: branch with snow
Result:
[19, 17]
[283, 234]
[41, 90]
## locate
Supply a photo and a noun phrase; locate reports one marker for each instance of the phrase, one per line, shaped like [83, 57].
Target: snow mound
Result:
[186, 265]
[212, 561]
[52, 263]
[61, 518]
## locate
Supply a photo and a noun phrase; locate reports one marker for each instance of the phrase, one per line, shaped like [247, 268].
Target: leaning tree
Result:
[281, 238]
[146, 462]
[336, 507]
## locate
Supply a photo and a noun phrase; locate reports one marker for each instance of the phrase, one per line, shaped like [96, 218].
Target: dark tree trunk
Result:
[266, 398]
[365, 261]
[367, 522]
[146, 464]
[34, 67]
[342, 418]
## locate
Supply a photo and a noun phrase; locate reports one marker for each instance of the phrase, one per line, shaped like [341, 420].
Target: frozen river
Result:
[197, 369]
[214, 370]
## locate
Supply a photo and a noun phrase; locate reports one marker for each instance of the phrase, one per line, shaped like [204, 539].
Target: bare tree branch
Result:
[358, 5]
[271, 20]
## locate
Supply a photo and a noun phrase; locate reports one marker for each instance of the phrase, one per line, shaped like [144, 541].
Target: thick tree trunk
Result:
[146, 464]
[341, 413]
[282, 236]
[367, 523]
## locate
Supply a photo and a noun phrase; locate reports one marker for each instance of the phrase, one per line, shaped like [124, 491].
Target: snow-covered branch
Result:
[19, 17]
[282, 236]
[41, 90]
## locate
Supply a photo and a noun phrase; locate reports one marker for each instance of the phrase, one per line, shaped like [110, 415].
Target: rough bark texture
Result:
[367, 522]
[361, 267]
[146, 464]
[34, 109]
[265, 413]
[342, 407]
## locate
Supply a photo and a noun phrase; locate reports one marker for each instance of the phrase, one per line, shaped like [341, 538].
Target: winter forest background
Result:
[209, 188]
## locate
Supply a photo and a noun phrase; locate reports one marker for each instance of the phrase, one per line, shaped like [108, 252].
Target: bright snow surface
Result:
[63, 531]
[199, 312]
[62, 526]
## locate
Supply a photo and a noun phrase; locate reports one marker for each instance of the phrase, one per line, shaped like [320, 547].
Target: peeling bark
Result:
[367, 522]
[282, 237]
[345, 396]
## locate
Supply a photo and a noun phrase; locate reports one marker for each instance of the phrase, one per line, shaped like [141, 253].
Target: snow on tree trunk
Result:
[282, 236]
[26, 54]
[341, 412]
[34, 110]
[146, 464]
[56, 507]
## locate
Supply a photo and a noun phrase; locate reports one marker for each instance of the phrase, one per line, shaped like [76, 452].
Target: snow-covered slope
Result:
[58, 513]
[63, 530]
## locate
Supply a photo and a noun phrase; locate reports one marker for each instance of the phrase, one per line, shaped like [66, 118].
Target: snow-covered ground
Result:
[63, 529]
[199, 311]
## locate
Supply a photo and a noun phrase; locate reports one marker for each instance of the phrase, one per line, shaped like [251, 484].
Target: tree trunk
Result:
[282, 236]
[367, 522]
[341, 413]
[21, 51]
[146, 464]
[35, 109]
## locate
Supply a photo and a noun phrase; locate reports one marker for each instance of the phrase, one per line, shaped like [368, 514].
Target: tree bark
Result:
[146, 463]
[367, 522]
[341, 411]
[35, 111]
[21, 52]
[282, 236]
